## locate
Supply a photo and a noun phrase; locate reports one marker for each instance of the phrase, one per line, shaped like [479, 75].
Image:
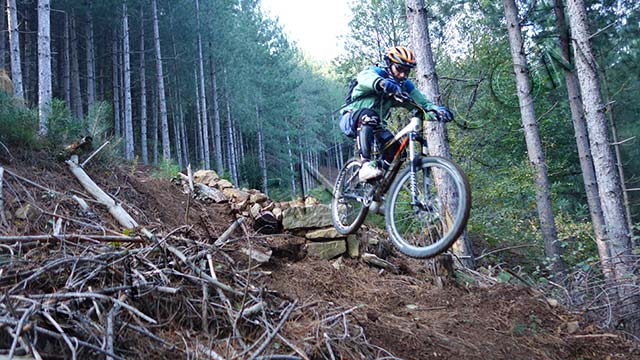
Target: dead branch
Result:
[52, 237]
[115, 209]
[223, 238]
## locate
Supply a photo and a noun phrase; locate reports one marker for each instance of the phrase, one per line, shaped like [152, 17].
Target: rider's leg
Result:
[369, 124]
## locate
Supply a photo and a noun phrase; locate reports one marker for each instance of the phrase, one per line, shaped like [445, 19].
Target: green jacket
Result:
[366, 95]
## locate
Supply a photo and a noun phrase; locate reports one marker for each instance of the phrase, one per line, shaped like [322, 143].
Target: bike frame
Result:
[407, 136]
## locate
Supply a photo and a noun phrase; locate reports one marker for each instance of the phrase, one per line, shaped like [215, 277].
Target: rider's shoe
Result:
[377, 207]
[369, 170]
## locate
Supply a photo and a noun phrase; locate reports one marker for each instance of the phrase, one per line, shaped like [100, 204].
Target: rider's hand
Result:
[392, 87]
[444, 114]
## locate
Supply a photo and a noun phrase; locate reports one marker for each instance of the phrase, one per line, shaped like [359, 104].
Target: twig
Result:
[7, 150]
[199, 272]
[110, 322]
[33, 183]
[225, 235]
[3, 220]
[503, 249]
[61, 331]
[94, 154]
[18, 330]
[72, 295]
[285, 317]
[586, 336]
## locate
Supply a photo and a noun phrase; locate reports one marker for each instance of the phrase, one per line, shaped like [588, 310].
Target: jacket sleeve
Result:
[368, 81]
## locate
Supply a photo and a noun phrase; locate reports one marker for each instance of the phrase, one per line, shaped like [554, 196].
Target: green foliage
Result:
[18, 124]
[64, 128]
[251, 172]
[167, 169]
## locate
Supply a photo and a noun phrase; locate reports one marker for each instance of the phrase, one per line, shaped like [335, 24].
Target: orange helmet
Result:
[400, 55]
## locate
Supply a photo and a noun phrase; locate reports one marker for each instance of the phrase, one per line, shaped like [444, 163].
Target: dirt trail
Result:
[356, 311]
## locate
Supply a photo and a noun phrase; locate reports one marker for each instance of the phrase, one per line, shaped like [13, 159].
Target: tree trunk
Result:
[303, 179]
[582, 142]
[27, 63]
[14, 40]
[532, 136]
[3, 43]
[436, 132]
[203, 97]
[91, 67]
[618, 153]
[67, 64]
[44, 66]
[199, 136]
[154, 107]
[291, 167]
[75, 70]
[216, 120]
[604, 162]
[166, 147]
[231, 144]
[176, 139]
[116, 86]
[261, 153]
[143, 94]
[181, 127]
[128, 112]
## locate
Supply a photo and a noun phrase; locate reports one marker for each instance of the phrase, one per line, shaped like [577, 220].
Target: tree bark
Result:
[532, 136]
[67, 64]
[231, 153]
[143, 94]
[3, 43]
[216, 121]
[582, 142]
[603, 160]
[91, 67]
[200, 145]
[436, 132]
[154, 107]
[14, 40]
[128, 112]
[261, 153]
[166, 146]
[291, 166]
[116, 86]
[44, 66]
[75, 70]
[203, 97]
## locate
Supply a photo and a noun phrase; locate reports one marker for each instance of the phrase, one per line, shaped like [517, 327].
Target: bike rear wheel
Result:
[429, 224]
[349, 205]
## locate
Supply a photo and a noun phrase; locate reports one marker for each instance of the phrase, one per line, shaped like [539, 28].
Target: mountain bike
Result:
[426, 203]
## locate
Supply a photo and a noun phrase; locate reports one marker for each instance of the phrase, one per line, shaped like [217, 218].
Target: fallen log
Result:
[115, 209]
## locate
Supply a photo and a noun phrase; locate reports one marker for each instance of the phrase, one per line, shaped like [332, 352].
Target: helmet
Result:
[400, 55]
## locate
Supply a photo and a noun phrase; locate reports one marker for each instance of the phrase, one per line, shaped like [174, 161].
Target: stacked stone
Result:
[308, 218]
[314, 223]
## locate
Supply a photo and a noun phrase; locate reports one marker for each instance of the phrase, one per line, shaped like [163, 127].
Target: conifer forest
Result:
[544, 92]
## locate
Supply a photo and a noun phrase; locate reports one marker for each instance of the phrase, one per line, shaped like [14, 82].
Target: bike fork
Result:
[413, 183]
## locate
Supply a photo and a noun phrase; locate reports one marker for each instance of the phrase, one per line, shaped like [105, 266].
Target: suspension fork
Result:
[413, 160]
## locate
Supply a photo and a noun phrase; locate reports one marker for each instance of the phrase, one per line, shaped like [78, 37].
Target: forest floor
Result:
[351, 311]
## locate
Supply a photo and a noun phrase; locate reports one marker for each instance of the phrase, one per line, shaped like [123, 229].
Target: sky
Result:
[313, 24]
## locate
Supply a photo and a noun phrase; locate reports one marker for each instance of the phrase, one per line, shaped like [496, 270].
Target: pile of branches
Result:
[81, 288]
[613, 303]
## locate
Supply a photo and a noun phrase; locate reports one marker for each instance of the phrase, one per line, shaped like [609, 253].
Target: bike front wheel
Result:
[426, 215]
[349, 205]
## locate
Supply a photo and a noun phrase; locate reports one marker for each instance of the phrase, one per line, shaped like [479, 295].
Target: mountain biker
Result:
[373, 97]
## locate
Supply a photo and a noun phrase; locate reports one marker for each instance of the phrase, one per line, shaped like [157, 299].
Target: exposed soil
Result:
[368, 313]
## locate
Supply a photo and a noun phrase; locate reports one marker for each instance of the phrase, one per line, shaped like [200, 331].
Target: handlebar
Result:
[404, 97]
